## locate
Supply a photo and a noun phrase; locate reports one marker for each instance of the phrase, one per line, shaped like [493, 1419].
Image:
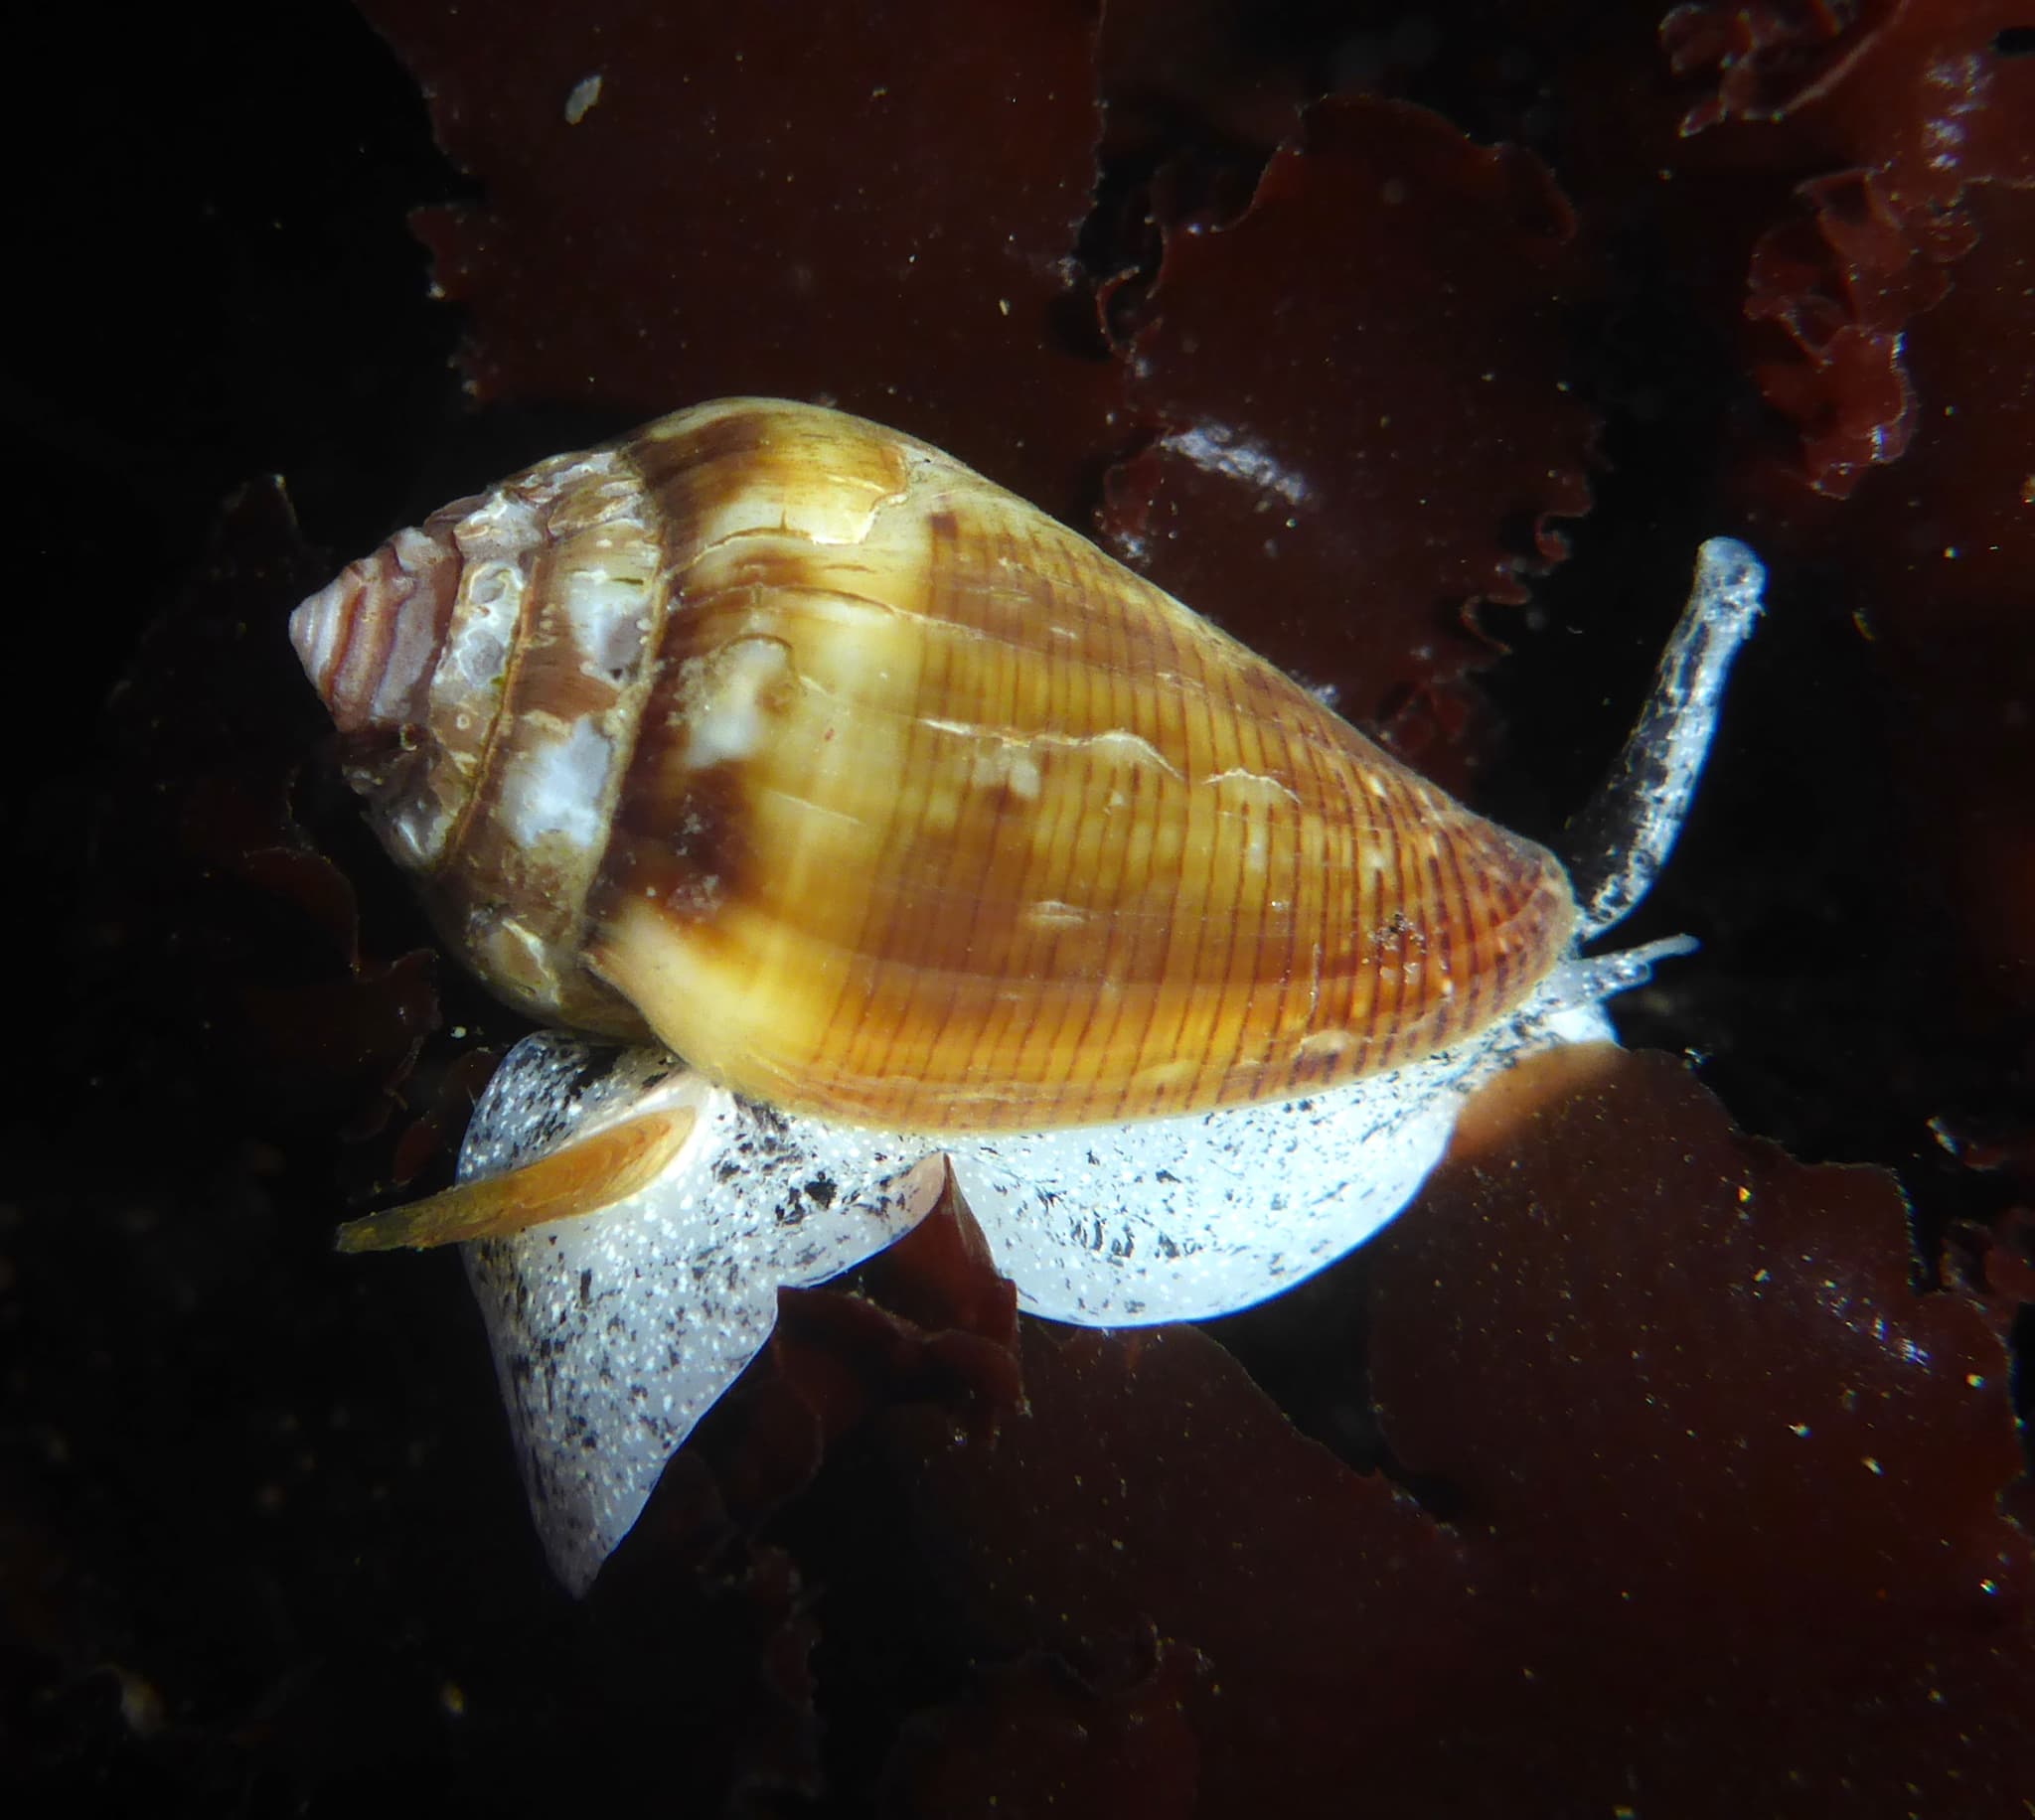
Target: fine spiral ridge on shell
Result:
[875, 792]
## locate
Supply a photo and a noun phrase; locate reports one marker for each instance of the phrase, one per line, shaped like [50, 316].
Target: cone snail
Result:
[874, 793]
[914, 823]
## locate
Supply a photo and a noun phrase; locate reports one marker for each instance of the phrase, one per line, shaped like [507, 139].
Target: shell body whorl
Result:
[875, 791]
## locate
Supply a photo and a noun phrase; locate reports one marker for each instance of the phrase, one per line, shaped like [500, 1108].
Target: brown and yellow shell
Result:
[874, 793]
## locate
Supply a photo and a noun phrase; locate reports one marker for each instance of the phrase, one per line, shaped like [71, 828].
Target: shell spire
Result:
[877, 794]
[370, 639]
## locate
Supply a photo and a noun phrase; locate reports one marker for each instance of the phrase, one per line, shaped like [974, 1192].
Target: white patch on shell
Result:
[1007, 765]
[1237, 793]
[1241, 787]
[314, 626]
[556, 785]
[854, 614]
[725, 721]
[415, 829]
[1050, 913]
[1118, 743]
[606, 613]
[404, 578]
[841, 514]
[1113, 743]
[510, 950]
[499, 524]
[477, 642]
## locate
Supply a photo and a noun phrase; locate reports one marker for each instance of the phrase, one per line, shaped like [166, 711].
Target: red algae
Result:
[751, 195]
[214, 917]
[1396, 304]
[1909, 106]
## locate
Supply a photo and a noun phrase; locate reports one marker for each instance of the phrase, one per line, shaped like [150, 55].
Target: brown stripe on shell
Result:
[1324, 850]
[1047, 821]
[680, 836]
[1384, 939]
[1486, 917]
[1451, 938]
[897, 1013]
[1257, 952]
[1288, 981]
[1121, 868]
[710, 457]
[1037, 794]
[1001, 812]
[1219, 1042]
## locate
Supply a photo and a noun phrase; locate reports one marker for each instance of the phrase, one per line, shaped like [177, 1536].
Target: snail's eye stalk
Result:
[1619, 842]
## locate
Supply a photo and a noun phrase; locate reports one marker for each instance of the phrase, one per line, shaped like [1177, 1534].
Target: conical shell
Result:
[875, 792]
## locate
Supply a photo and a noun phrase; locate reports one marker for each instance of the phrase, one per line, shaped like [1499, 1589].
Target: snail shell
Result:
[878, 794]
